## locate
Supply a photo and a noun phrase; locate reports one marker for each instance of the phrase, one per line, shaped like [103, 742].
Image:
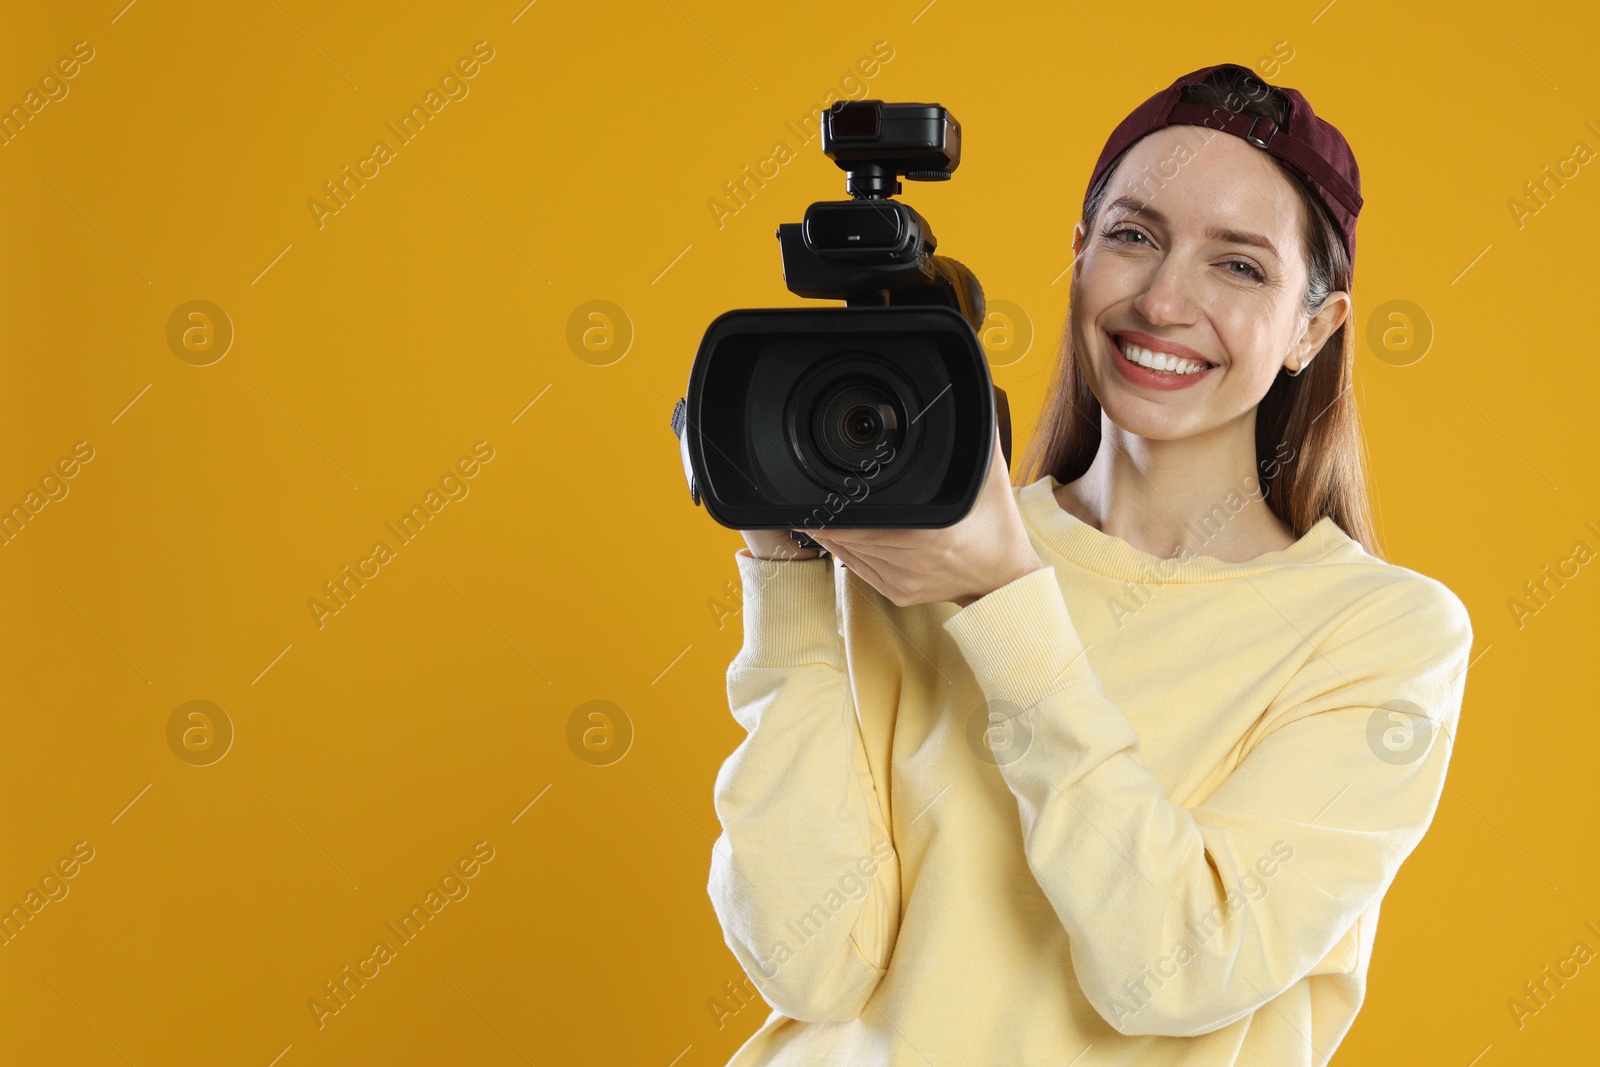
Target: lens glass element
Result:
[857, 422]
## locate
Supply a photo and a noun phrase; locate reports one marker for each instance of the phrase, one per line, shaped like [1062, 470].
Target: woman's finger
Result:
[853, 562]
[882, 543]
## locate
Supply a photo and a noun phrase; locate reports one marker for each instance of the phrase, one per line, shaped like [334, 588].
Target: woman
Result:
[1121, 765]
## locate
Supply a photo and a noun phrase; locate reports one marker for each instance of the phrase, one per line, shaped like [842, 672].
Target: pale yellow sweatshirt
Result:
[1123, 810]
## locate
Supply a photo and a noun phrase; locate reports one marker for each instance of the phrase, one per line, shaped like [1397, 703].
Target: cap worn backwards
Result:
[1309, 146]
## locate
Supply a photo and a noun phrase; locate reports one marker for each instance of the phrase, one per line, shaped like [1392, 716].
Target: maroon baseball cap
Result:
[1306, 144]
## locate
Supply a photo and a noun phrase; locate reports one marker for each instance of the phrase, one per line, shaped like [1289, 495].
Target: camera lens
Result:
[862, 425]
[857, 423]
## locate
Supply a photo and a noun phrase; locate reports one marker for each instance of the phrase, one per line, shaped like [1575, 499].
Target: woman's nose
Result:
[1168, 293]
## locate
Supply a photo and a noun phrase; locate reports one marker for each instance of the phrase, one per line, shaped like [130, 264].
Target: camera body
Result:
[881, 413]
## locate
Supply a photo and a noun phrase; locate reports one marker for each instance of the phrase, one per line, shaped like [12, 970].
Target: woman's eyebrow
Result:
[1134, 206]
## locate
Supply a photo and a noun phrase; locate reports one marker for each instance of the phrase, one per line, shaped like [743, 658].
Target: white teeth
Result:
[1160, 361]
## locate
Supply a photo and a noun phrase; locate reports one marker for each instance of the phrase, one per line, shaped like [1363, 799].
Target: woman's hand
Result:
[987, 549]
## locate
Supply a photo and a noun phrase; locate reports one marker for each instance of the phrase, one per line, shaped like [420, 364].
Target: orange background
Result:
[370, 354]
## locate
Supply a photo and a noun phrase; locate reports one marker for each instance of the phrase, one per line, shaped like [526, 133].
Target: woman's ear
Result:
[1321, 326]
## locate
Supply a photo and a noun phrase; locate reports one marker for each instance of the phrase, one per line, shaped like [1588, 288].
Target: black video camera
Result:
[879, 414]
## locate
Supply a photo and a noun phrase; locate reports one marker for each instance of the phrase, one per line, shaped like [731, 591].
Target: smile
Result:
[1157, 370]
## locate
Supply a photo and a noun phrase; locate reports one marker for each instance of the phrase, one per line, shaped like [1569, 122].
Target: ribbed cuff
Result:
[1020, 642]
[789, 612]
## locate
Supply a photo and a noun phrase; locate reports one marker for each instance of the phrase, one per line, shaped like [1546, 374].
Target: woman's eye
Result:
[1250, 272]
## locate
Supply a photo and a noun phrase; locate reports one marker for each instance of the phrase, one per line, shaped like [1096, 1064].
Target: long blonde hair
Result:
[1314, 413]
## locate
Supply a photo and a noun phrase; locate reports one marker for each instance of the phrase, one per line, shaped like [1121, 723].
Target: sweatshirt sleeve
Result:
[1182, 920]
[804, 878]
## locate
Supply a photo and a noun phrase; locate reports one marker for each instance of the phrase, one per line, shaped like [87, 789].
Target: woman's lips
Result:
[1151, 379]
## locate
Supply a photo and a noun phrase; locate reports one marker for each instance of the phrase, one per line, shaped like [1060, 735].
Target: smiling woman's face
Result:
[1208, 264]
